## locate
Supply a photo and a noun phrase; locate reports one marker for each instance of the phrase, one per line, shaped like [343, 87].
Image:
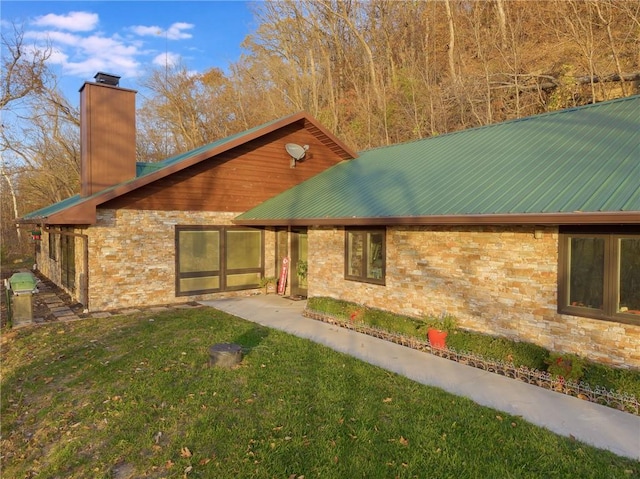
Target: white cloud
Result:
[166, 59]
[98, 53]
[84, 56]
[174, 32]
[73, 21]
[78, 48]
[53, 37]
[147, 31]
[58, 57]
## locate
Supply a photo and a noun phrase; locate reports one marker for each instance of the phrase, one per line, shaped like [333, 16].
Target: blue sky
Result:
[127, 38]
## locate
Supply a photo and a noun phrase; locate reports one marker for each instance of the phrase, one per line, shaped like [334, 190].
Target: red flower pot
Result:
[437, 338]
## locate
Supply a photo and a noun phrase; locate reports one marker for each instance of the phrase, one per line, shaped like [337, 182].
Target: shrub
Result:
[393, 322]
[529, 355]
[566, 366]
[445, 322]
[499, 349]
[613, 379]
[334, 307]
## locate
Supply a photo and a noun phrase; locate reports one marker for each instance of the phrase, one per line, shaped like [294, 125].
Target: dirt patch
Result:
[123, 470]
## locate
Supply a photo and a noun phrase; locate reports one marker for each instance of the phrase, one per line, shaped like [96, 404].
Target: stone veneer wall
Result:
[501, 281]
[46, 265]
[132, 257]
[52, 268]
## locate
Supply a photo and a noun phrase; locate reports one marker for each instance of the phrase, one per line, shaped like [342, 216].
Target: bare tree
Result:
[186, 111]
[24, 70]
[24, 74]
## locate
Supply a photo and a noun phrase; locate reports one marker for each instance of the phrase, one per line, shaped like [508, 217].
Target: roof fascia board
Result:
[631, 217]
[81, 214]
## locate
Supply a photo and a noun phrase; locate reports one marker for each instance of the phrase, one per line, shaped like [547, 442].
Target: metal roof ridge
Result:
[506, 122]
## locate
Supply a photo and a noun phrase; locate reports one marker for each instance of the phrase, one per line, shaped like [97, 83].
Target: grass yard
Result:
[132, 396]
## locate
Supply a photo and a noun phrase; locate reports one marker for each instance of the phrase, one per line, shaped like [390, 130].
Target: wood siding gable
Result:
[237, 179]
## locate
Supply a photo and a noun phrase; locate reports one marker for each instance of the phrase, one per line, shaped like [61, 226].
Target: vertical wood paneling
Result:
[108, 136]
[236, 180]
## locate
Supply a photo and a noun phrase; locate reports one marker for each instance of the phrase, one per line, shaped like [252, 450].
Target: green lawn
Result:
[132, 396]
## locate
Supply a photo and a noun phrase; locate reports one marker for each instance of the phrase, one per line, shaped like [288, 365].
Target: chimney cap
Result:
[107, 78]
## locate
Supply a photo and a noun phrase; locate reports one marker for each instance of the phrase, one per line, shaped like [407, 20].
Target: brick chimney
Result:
[107, 134]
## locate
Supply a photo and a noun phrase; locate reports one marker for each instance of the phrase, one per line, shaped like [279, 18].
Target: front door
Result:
[299, 262]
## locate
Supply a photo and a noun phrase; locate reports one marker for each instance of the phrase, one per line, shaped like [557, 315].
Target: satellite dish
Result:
[296, 152]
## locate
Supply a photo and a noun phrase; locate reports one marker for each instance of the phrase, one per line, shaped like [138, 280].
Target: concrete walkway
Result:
[597, 425]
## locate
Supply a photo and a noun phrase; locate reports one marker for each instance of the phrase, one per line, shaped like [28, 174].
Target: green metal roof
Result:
[54, 208]
[141, 170]
[569, 162]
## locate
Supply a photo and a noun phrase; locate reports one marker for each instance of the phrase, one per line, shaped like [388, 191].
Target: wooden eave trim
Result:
[83, 214]
[631, 217]
[349, 153]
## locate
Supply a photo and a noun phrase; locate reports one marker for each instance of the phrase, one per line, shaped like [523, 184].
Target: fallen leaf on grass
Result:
[169, 464]
[387, 400]
[185, 452]
[403, 441]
